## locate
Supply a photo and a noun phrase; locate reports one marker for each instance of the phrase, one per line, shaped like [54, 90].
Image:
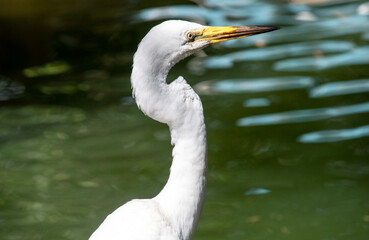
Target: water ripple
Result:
[256, 102]
[307, 115]
[226, 4]
[355, 57]
[340, 88]
[257, 191]
[278, 52]
[181, 12]
[10, 89]
[335, 11]
[254, 85]
[335, 135]
[217, 13]
[309, 31]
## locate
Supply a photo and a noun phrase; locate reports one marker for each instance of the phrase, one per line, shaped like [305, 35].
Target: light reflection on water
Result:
[278, 52]
[340, 88]
[363, 9]
[253, 12]
[309, 31]
[254, 85]
[257, 191]
[354, 57]
[335, 135]
[303, 115]
[256, 102]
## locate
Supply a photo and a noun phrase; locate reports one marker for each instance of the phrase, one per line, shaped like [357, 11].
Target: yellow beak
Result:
[220, 34]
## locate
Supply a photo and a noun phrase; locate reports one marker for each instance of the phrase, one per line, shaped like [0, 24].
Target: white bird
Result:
[174, 213]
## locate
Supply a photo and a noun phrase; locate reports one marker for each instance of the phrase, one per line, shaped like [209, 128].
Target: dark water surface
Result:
[286, 112]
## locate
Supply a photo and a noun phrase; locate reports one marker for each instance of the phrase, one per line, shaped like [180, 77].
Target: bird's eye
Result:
[190, 36]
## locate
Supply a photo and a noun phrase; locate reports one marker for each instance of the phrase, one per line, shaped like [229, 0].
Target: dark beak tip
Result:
[271, 28]
[257, 29]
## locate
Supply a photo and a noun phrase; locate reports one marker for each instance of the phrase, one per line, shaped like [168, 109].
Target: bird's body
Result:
[174, 213]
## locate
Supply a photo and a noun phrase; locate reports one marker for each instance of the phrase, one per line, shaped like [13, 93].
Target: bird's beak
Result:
[220, 34]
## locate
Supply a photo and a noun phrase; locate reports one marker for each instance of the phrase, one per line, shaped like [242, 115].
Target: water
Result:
[286, 113]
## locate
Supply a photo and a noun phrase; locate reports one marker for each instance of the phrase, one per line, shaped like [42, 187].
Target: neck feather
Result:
[182, 198]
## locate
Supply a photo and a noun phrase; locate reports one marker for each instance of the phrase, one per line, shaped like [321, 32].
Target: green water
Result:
[74, 146]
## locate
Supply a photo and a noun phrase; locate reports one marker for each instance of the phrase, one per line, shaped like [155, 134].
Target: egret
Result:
[174, 213]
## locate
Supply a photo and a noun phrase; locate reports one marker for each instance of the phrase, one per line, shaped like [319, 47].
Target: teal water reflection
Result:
[277, 52]
[335, 135]
[256, 102]
[321, 29]
[255, 85]
[303, 115]
[354, 57]
[340, 88]
[286, 112]
[257, 191]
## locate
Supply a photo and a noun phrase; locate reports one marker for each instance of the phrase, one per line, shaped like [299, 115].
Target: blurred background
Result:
[286, 112]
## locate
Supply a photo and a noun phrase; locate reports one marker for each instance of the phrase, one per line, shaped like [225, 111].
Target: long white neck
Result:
[182, 198]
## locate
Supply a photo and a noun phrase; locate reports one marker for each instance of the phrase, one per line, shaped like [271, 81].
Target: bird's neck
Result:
[149, 85]
[183, 196]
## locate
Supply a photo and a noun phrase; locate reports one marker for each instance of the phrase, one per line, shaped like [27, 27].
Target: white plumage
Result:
[174, 213]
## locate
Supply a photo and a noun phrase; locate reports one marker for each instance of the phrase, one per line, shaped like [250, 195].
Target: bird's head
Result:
[174, 40]
[165, 45]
